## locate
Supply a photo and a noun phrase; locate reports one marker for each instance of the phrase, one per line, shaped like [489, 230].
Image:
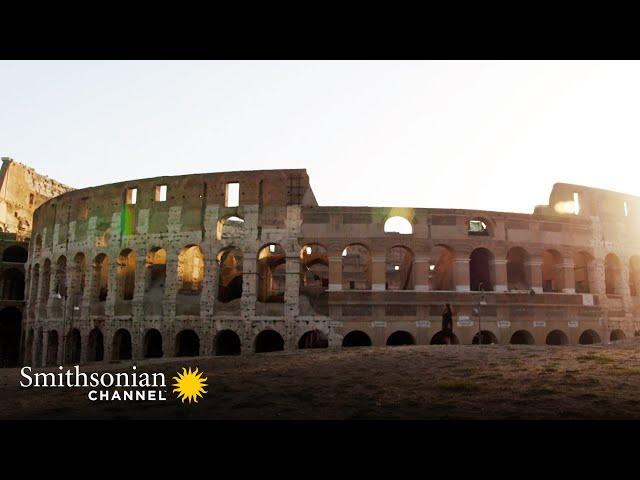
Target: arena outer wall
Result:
[111, 278]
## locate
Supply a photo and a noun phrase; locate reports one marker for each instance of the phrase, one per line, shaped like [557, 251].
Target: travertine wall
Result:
[278, 207]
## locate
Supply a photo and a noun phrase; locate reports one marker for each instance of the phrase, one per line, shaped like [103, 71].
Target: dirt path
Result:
[415, 382]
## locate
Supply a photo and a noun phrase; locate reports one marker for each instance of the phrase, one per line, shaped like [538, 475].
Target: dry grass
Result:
[417, 382]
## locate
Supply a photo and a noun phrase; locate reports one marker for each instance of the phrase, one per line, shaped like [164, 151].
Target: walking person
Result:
[447, 324]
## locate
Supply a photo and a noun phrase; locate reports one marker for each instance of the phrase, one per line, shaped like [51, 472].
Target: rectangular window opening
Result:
[576, 203]
[626, 209]
[132, 196]
[161, 193]
[232, 195]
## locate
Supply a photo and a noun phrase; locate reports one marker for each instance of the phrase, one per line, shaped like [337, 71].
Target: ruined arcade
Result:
[244, 262]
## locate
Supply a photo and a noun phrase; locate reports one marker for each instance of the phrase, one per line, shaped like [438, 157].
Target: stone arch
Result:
[400, 337]
[481, 271]
[589, 337]
[152, 344]
[271, 273]
[95, 345]
[155, 273]
[480, 226]
[617, 335]
[582, 262]
[230, 226]
[440, 338]
[634, 275]
[441, 269]
[399, 268]
[227, 342]
[12, 284]
[46, 282]
[10, 332]
[73, 347]
[612, 275]
[268, 341]
[187, 344]
[552, 271]
[356, 338]
[230, 267]
[522, 337]
[60, 279]
[78, 275]
[557, 337]
[517, 275]
[398, 224]
[15, 254]
[52, 348]
[356, 267]
[314, 265]
[122, 349]
[190, 269]
[126, 274]
[484, 337]
[313, 339]
[101, 277]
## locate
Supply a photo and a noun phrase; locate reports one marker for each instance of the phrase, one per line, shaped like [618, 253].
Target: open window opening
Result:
[232, 194]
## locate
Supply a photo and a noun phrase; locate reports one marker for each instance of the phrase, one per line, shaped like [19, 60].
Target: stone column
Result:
[249, 287]
[378, 272]
[596, 277]
[421, 273]
[335, 272]
[45, 348]
[292, 286]
[208, 296]
[84, 348]
[461, 277]
[170, 287]
[534, 268]
[112, 288]
[568, 276]
[499, 267]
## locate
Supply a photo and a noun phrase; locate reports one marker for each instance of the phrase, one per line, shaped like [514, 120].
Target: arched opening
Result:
[440, 338]
[101, 277]
[230, 227]
[612, 275]
[398, 224]
[517, 277]
[481, 270]
[581, 263]
[271, 273]
[12, 284]
[45, 285]
[73, 347]
[484, 337]
[96, 346]
[399, 268]
[15, 254]
[126, 276]
[356, 338]
[551, 271]
[441, 270]
[153, 344]
[269, 341]
[557, 337]
[187, 344]
[229, 274]
[589, 337]
[60, 276]
[522, 337]
[400, 337]
[52, 348]
[314, 264]
[190, 269]
[155, 275]
[617, 335]
[121, 345]
[10, 331]
[313, 339]
[356, 268]
[478, 226]
[227, 343]
[634, 275]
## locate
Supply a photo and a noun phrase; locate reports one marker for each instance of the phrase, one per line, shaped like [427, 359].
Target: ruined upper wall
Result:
[592, 202]
[92, 211]
[22, 190]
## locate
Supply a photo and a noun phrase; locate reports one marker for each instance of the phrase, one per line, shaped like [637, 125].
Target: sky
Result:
[488, 135]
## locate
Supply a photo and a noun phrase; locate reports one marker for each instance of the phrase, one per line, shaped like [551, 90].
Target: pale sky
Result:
[491, 135]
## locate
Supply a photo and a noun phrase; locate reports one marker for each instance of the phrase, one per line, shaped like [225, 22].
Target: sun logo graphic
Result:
[190, 385]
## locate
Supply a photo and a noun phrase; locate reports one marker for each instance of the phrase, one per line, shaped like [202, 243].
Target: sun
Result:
[190, 385]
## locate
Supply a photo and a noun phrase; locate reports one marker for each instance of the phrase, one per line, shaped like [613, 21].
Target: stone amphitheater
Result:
[248, 262]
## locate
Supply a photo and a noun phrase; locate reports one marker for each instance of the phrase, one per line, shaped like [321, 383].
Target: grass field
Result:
[409, 383]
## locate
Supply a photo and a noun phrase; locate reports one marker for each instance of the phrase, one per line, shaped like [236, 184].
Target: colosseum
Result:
[246, 262]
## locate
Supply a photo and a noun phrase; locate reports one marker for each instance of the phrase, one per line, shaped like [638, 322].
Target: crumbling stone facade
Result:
[243, 262]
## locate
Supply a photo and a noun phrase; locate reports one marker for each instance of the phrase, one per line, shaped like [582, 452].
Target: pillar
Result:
[499, 268]
[249, 285]
[421, 273]
[461, 277]
[292, 285]
[378, 272]
[335, 272]
[534, 269]
[568, 276]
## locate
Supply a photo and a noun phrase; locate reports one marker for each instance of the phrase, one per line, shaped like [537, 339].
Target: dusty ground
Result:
[414, 382]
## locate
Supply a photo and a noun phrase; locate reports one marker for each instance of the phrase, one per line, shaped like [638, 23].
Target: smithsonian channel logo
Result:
[120, 386]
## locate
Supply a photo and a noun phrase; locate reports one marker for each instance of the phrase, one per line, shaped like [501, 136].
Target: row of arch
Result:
[227, 342]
